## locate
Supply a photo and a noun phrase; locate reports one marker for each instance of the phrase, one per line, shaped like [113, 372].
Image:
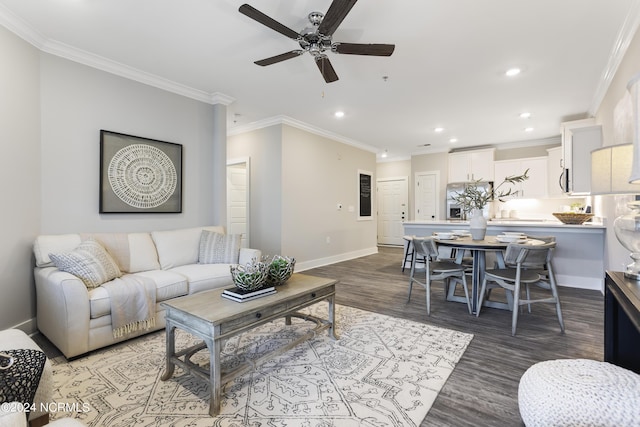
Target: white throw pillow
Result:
[216, 248]
[90, 262]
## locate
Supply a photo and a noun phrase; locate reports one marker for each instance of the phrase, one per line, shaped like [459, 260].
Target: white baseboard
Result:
[580, 282]
[307, 265]
[29, 326]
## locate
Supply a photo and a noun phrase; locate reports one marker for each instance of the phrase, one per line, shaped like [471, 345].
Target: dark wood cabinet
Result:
[622, 321]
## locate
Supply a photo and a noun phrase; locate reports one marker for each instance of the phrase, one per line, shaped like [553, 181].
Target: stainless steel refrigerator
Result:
[455, 211]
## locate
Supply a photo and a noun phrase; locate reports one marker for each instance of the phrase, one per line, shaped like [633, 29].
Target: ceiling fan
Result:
[317, 39]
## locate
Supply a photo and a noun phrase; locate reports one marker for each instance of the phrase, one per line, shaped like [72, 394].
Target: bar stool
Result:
[409, 252]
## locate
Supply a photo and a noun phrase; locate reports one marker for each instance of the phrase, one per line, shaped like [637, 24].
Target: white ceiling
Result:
[447, 69]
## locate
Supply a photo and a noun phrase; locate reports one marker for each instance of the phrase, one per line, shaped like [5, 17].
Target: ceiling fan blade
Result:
[334, 16]
[364, 49]
[256, 15]
[279, 58]
[326, 68]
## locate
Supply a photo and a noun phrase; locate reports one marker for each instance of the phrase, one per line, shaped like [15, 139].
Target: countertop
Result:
[579, 255]
[511, 223]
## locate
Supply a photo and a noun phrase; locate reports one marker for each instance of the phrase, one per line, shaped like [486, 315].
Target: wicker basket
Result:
[572, 218]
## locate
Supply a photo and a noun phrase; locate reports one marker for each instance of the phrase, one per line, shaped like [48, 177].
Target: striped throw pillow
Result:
[90, 262]
[216, 248]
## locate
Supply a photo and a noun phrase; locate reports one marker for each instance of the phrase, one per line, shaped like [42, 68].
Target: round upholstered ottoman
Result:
[579, 392]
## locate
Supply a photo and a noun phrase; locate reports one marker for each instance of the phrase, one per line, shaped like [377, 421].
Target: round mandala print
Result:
[142, 176]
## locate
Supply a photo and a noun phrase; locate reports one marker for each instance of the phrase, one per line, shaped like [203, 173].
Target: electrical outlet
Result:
[328, 239]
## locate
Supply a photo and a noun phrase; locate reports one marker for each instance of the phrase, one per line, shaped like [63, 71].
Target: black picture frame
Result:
[139, 175]
[365, 193]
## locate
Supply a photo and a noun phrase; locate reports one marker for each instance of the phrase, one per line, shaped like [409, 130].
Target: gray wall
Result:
[263, 147]
[393, 169]
[76, 102]
[317, 174]
[297, 180]
[51, 116]
[20, 176]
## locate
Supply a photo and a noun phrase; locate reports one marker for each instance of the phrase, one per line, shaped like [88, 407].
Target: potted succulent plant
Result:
[280, 269]
[474, 198]
[251, 276]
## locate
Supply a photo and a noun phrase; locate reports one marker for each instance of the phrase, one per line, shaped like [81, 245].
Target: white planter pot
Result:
[477, 225]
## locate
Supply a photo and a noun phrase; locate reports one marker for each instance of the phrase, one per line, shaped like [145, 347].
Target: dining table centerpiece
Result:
[474, 198]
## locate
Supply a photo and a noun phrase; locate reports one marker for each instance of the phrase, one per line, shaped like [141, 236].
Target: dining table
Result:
[479, 249]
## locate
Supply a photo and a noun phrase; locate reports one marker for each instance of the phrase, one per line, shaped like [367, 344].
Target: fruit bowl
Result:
[572, 217]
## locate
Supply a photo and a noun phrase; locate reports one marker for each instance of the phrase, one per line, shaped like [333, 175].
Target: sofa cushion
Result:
[203, 277]
[216, 248]
[168, 285]
[46, 244]
[90, 262]
[179, 247]
[133, 252]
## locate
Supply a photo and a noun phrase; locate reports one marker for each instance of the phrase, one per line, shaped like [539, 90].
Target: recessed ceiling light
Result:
[525, 115]
[452, 140]
[339, 114]
[438, 129]
[513, 72]
[528, 129]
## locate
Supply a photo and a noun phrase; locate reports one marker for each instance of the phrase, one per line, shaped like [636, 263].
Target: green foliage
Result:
[474, 197]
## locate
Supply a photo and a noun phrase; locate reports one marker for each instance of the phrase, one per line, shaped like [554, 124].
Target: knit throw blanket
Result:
[133, 304]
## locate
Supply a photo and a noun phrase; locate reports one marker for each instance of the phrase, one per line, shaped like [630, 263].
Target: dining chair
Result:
[522, 261]
[435, 270]
[542, 268]
[409, 252]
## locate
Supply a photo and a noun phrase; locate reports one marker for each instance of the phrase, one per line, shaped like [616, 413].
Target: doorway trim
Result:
[246, 161]
[404, 179]
[417, 175]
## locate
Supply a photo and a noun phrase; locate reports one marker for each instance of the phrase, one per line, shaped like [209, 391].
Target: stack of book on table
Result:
[240, 295]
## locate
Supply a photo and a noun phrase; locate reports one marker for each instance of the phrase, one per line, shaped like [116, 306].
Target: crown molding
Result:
[626, 34]
[19, 27]
[221, 98]
[289, 121]
[23, 30]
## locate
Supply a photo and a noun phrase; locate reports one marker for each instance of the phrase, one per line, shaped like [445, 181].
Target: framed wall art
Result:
[139, 175]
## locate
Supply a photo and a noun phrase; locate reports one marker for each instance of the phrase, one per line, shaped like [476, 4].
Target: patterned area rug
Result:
[383, 371]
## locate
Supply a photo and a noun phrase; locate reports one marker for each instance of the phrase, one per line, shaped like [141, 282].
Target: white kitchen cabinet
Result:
[534, 187]
[554, 172]
[473, 165]
[579, 138]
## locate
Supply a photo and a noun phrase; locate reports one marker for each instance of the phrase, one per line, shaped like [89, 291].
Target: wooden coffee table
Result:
[214, 319]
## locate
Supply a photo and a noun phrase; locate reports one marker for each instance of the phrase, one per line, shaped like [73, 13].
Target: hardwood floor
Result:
[483, 389]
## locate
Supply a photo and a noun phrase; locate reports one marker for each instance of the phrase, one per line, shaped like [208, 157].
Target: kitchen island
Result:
[578, 258]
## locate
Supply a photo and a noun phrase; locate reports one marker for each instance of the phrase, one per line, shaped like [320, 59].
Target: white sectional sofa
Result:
[77, 318]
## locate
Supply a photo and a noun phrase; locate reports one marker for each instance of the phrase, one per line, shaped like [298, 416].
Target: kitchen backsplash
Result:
[535, 209]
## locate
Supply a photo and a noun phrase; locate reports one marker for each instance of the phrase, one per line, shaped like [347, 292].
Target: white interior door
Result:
[238, 200]
[427, 195]
[393, 202]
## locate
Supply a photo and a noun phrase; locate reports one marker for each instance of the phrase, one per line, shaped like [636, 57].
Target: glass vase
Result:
[627, 229]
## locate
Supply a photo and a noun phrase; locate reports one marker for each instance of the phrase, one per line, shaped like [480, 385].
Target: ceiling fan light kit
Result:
[318, 38]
